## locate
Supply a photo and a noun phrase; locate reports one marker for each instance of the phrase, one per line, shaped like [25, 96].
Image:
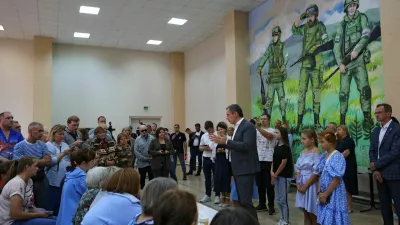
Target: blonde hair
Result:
[55, 129]
[345, 129]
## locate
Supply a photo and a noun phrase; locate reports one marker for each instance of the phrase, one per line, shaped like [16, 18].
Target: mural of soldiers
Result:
[277, 57]
[352, 35]
[312, 68]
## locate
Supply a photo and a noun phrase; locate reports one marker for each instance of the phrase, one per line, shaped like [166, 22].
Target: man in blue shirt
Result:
[100, 120]
[8, 136]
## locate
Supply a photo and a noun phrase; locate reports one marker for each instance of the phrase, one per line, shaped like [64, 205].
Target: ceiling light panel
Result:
[81, 35]
[177, 21]
[154, 42]
[89, 10]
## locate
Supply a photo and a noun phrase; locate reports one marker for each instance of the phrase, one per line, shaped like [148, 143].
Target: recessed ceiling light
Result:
[177, 21]
[81, 35]
[89, 10]
[1, 27]
[154, 42]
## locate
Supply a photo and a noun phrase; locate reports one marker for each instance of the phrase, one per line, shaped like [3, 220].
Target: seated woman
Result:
[161, 149]
[16, 199]
[183, 212]
[119, 205]
[234, 216]
[123, 152]
[150, 194]
[75, 184]
[96, 178]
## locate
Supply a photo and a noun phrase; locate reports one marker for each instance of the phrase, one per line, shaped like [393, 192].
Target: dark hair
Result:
[197, 125]
[387, 107]
[85, 133]
[5, 166]
[222, 125]
[177, 125]
[72, 118]
[159, 130]
[187, 129]
[98, 119]
[124, 181]
[268, 116]
[284, 135]
[18, 166]
[311, 134]
[183, 211]
[154, 124]
[234, 216]
[99, 130]
[253, 121]
[166, 129]
[80, 155]
[208, 124]
[235, 108]
[329, 136]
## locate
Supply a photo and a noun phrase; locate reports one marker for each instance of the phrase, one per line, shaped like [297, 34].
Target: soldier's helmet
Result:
[312, 10]
[348, 2]
[276, 30]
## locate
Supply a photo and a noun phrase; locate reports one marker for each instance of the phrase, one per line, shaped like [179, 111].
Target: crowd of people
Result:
[80, 176]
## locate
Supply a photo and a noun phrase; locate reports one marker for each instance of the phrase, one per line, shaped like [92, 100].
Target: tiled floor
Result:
[196, 186]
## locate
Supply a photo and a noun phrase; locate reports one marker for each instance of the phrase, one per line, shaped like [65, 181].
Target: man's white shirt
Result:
[205, 140]
[265, 147]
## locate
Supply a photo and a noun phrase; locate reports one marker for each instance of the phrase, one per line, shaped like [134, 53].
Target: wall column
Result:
[390, 51]
[42, 80]
[236, 56]
[178, 89]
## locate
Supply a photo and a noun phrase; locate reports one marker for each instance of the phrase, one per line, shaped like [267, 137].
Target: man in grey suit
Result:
[243, 155]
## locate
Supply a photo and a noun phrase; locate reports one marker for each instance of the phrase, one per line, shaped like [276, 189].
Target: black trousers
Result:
[388, 190]
[244, 188]
[263, 180]
[195, 153]
[143, 172]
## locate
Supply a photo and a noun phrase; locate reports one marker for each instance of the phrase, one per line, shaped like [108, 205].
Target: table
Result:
[206, 212]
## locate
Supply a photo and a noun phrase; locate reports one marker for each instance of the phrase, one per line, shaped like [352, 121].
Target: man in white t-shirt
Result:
[265, 147]
[208, 162]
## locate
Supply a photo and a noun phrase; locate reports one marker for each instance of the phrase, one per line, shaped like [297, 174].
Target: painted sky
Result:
[331, 11]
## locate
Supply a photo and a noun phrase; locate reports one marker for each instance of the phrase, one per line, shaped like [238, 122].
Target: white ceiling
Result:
[120, 23]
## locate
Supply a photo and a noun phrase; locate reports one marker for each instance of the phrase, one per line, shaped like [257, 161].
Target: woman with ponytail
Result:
[75, 183]
[17, 200]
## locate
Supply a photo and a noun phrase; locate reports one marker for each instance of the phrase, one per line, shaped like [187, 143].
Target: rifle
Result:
[375, 34]
[263, 99]
[322, 48]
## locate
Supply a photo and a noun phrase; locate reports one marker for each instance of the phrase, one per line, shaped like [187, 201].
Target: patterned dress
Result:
[123, 156]
[306, 166]
[105, 151]
[84, 205]
[335, 212]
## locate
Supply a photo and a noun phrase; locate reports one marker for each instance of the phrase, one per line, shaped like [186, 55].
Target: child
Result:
[281, 171]
[332, 202]
[75, 183]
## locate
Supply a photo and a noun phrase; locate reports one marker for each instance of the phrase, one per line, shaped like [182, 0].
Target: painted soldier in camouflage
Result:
[277, 57]
[312, 68]
[353, 32]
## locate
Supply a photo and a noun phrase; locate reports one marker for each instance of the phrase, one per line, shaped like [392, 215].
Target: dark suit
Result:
[161, 163]
[244, 162]
[195, 152]
[388, 163]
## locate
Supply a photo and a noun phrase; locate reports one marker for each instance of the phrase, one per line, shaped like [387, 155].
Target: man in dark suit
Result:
[385, 161]
[243, 155]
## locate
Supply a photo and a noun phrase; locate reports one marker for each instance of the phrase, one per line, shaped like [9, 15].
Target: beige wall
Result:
[390, 18]
[205, 81]
[16, 79]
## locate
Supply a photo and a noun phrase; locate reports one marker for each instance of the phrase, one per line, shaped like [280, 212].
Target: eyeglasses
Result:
[143, 131]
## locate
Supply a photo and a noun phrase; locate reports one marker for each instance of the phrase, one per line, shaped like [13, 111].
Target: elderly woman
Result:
[161, 150]
[347, 147]
[123, 153]
[119, 204]
[103, 146]
[96, 178]
[150, 194]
